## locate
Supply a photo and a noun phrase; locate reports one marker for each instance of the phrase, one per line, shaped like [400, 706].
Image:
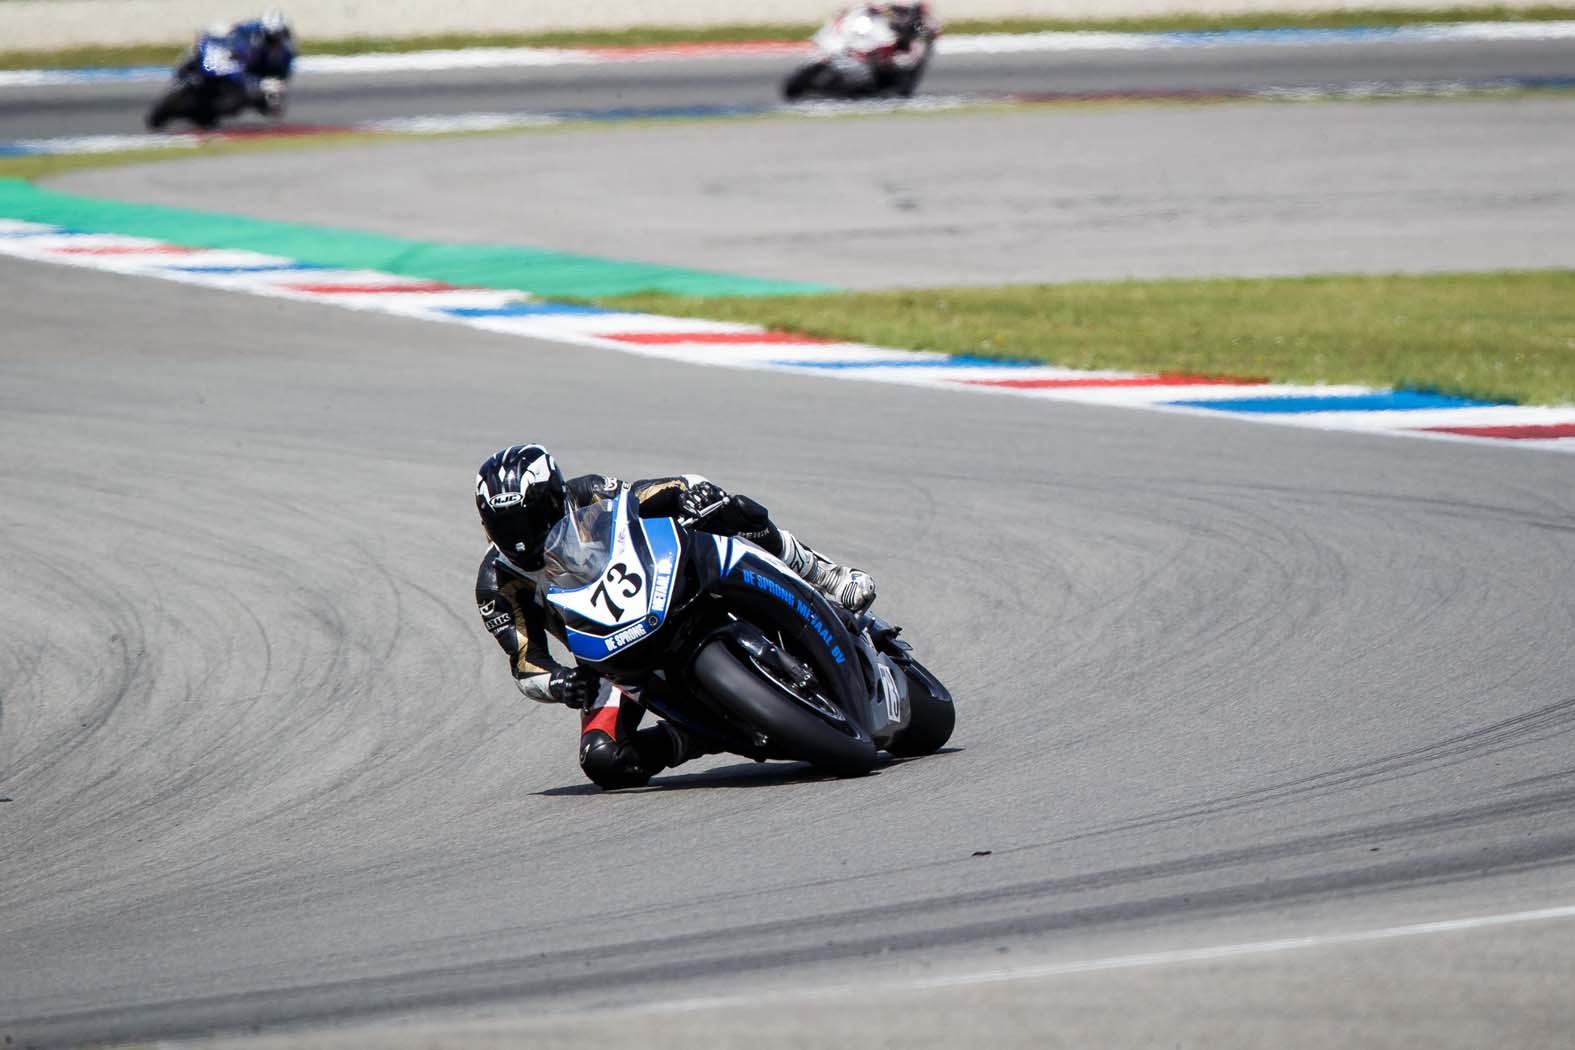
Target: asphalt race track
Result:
[1219, 684]
[118, 108]
[1044, 194]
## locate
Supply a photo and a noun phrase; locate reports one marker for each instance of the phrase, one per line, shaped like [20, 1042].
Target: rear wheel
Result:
[933, 716]
[760, 703]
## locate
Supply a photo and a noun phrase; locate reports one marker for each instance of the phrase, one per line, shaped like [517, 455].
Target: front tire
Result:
[802, 79]
[791, 730]
[185, 101]
[169, 106]
[932, 718]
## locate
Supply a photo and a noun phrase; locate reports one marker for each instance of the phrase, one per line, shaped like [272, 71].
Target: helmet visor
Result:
[520, 531]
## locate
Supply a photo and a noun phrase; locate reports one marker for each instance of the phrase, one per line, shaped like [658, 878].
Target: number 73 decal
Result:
[624, 585]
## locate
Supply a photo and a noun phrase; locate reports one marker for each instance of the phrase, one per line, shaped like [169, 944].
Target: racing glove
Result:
[701, 501]
[574, 687]
[270, 96]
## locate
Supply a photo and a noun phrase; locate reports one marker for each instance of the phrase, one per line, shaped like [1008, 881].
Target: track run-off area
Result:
[1264, 732]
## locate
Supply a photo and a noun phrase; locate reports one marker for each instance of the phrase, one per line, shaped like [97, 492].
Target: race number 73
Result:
[626, 583]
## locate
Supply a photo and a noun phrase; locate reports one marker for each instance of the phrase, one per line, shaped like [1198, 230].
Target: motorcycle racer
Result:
[520, 495]
[262, 51]
[868, 49]
[915, 29]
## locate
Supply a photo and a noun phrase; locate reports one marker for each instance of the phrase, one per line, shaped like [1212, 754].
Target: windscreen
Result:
[579, 545]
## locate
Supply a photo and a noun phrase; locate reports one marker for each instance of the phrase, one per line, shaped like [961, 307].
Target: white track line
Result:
[866, 988]
[1248, 949]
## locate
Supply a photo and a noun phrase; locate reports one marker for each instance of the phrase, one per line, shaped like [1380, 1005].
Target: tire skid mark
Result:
[1546, 723]
[200, 756]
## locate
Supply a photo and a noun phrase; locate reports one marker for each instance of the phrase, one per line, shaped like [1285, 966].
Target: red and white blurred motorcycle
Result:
[866, 51]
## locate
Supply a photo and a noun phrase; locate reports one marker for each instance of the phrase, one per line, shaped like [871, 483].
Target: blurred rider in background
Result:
[915, 28]
[521, 494]
[263, 50]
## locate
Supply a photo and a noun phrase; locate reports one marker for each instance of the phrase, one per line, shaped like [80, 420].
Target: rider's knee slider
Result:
[609, 764]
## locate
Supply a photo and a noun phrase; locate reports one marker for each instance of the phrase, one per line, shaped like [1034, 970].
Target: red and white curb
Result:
[730, 345]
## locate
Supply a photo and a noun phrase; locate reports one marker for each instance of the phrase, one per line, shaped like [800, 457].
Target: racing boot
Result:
[852, 589]
[664, 746]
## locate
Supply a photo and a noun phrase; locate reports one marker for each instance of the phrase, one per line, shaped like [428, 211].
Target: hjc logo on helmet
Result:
[505, 500]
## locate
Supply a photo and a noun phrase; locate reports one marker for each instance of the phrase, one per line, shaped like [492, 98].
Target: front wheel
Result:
[173, 103]
[932, 715]
[802, 79]
[761, 705]
[182, 101]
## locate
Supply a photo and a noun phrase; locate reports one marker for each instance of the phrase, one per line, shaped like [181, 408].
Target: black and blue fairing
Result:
[760, 589]
[638, 595]
[610, 577]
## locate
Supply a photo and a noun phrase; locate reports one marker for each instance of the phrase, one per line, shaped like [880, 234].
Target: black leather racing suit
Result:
[614, 752]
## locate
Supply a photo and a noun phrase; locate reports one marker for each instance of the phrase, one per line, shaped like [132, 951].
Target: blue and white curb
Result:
[730, 345]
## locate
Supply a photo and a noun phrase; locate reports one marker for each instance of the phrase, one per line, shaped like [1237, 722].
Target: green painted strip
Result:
[535, 270]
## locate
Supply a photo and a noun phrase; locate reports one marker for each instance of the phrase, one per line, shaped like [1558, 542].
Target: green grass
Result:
[1496, 335]
[156, 54]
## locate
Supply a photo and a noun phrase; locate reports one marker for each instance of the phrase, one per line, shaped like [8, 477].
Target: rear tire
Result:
[792, 731]
[933, 715]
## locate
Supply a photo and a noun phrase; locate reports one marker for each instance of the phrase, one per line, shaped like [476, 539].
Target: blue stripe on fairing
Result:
[534, 309]
[1392, 401]
[944, 362]
[48, 231]
[255, 268]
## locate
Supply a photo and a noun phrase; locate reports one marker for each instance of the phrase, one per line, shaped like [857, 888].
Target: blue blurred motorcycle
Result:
[211, 83]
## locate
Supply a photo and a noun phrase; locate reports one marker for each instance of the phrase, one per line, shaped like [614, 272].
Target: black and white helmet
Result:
[275, 28]
[520, 495]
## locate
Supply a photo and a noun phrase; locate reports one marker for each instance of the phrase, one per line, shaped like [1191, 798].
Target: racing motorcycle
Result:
[752, 657]
[209, 84]
[855, 56]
